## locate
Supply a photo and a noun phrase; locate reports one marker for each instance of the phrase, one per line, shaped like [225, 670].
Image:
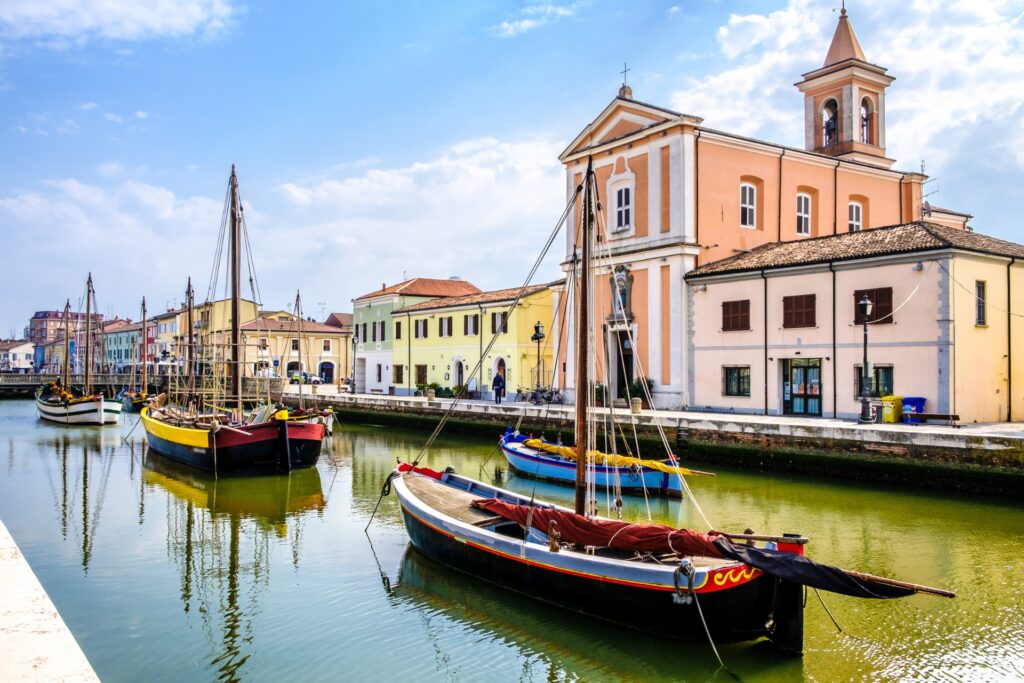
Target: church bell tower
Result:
[844, 102]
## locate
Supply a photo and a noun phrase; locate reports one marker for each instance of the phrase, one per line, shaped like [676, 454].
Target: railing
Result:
[35, 379]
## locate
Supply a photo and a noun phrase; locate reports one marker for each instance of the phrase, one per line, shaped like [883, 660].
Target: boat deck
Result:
[457, 503]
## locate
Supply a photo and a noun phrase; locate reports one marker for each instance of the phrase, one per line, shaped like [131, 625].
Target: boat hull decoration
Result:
[273, 446]
[92, 411]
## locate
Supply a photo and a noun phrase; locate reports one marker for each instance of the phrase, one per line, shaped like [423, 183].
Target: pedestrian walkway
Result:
[35, 643]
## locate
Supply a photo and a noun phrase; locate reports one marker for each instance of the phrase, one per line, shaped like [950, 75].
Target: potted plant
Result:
[637, 390]
[599, 393]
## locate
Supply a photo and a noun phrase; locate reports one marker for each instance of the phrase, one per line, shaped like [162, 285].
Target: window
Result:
[295, 344]
[327, 344]
[263, 344]
[399, 371]
[398, 329]
[830, 124]
[380, 370]
[363, 335]
[748, 205]
[471, 325]
[444, 326]
[383, 330]
[374, 332]
[865, 121]
[421, 374]
[420, 331]
[880, 377]
[499, 322]
[856, 217]
[803, 214]
[881, 310]
[735, 315]
[798, 311]
[736, 380]
[979, 303]
[623, 208]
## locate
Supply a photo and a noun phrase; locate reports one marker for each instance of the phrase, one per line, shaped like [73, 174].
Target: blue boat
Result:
[538, 464]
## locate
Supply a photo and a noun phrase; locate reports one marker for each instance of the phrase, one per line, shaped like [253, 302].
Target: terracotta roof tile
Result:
[424, 286]
[473, 299]
[339, 320]
[271, 325]
[894, 239]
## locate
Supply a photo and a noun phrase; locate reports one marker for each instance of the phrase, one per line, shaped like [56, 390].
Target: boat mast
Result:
[145, 347]
[298, 315]
[189, 347]
[582, 339]
[65, 375]
[88, 334]
[235, 254]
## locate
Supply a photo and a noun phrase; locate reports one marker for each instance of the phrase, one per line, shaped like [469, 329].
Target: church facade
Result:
[677, 194]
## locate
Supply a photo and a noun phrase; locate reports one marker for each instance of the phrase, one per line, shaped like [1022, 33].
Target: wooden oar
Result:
[916, 587]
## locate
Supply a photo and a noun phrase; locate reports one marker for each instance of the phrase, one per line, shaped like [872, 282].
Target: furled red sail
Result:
[661, 539]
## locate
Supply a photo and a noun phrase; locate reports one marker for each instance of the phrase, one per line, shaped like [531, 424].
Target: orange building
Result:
[677, 194]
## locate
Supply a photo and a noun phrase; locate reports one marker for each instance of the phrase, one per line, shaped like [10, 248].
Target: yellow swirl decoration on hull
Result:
[733, 576]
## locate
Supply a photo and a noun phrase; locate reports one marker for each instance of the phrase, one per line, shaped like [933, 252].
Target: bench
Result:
[950, 420]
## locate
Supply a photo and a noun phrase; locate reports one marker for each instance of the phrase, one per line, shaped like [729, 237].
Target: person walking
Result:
[498, 385]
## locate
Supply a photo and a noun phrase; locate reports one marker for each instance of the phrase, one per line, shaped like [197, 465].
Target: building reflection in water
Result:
[219, 533]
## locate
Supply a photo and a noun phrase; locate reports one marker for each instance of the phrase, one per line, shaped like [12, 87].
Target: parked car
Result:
[304, 378]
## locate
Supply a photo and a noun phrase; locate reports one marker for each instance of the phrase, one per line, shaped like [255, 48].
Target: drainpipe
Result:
[835, 360]
[408, 346]
[1009, 344]
[480, 333]
[765, 314]
[780, 194]
[835, 199]
[902, 178]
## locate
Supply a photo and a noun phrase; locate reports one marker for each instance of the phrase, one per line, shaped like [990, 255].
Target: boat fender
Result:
[680, 597]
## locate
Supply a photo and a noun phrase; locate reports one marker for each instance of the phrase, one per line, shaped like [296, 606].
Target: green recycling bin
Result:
[892, 409]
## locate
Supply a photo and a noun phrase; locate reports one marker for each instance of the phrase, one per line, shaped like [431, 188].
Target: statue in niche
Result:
[621, 282]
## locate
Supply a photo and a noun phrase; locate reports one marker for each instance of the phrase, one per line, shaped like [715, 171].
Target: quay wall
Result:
[972, 459]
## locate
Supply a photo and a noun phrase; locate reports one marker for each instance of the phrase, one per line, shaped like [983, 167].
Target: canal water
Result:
[163, 574]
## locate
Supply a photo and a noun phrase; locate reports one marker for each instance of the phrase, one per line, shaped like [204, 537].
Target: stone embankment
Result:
[974, 458]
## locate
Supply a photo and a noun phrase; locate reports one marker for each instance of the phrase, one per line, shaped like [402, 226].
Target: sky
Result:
[385, 140]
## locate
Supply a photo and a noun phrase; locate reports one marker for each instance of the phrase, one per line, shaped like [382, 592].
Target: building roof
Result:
[479, 298]
[894, 239]
[8, 344]
[425, 286]
[264, 324]
[341, 320]
[115, 325]
[844, 43]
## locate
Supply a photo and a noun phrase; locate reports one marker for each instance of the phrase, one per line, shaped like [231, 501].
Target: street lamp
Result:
[538, 336]
[864, 307]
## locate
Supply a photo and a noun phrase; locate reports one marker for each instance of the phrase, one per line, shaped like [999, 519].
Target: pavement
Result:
[35, 643]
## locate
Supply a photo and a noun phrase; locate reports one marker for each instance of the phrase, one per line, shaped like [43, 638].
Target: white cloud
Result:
[63, 22]
[110, 169]
[113, 118]
[69, 126]
[22, 129]
[535, 16]
[86, 106]
[958, 65]
[139, 114]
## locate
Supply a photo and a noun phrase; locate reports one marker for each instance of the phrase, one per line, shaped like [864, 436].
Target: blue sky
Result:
[380, 139]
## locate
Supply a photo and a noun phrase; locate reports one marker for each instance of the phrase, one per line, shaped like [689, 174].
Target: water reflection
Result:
[219, 534]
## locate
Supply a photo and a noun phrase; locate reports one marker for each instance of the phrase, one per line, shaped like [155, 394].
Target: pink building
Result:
[776, 331]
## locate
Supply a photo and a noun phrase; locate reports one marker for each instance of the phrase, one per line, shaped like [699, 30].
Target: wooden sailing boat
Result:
[226, 438]
[65, 404]
[135, 398]
[674, 582]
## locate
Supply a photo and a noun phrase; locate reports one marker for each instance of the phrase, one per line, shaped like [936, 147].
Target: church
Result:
[677, 194]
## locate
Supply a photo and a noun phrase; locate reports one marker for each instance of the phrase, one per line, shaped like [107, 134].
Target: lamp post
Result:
[864, 307]
[538, 336]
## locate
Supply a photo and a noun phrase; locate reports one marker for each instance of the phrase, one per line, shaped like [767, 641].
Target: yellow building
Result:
[274, 347]
[441, 341]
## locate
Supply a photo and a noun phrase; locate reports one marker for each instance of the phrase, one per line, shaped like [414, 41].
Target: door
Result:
[327, 372]
[624, 368]
[459, 373]
[801, 386]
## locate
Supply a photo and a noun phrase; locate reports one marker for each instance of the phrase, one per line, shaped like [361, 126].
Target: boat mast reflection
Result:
[219, 533]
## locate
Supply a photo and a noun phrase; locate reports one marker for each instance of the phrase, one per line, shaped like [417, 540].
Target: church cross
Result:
[625, 70]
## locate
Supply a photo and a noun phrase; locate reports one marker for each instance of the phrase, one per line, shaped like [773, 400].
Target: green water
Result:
[163, 574]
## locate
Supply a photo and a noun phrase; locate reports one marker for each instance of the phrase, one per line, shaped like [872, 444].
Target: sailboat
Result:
[227, 438]
[673, 582]
[135, 398]
[65, 404]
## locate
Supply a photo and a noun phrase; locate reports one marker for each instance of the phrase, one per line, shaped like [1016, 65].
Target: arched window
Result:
[748, 206]
[803, 214]
[856, 217]
[865, 121]
[830, 123]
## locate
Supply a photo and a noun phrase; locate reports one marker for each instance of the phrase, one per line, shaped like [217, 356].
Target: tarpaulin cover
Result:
[658, 538]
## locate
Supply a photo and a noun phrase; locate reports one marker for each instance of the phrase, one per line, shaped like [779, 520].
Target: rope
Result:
[974, 294]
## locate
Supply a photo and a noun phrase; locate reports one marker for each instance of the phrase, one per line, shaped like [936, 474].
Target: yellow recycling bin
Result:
[892, 409]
